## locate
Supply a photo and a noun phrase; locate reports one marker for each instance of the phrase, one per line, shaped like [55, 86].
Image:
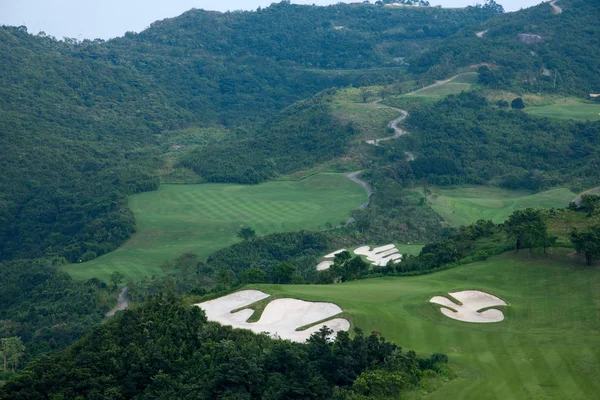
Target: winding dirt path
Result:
[353, 176]
[122, 303]
[557, 9]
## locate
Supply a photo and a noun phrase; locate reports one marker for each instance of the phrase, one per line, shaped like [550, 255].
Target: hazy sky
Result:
[109, 18]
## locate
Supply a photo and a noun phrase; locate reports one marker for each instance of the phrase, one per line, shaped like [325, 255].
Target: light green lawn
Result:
[567, 109]
[548, 347]
[467, 205]
[204, 218]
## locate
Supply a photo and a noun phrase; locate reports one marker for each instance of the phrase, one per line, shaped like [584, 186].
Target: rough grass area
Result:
[370, 119]
[467, 205]
[568, 109]
[548, 347]
[204, 218]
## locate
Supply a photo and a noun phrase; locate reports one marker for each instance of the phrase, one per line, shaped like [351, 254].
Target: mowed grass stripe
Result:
[205, 218]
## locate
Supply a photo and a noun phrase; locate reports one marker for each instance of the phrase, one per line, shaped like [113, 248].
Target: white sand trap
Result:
[280, 318]
[381, 255]
[324, 265]
[331, 255]
[472, 301]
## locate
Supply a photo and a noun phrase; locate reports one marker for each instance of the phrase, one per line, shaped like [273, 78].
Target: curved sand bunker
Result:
[324, 265]
[280, 318]
[472, 301]
[332, 255]
[381, 255]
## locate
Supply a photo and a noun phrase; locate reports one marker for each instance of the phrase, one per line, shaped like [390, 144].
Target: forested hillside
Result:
[535, 49]
[81, 124]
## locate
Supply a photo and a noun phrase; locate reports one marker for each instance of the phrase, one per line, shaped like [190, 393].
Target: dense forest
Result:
[464, 139]
[533, 49]
[81, 123]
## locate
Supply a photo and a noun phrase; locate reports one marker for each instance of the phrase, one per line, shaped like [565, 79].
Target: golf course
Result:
[465, 206]
[567, 108]
[547, 346]
[204, 218]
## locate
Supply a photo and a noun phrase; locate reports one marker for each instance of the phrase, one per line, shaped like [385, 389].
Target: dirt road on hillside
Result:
[557, 9]
[122, 303]
[353, 176]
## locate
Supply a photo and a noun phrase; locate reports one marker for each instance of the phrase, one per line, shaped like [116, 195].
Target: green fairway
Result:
[467, 205]
[548, 347]
[568, 109]
[462, 82]
[204, 218]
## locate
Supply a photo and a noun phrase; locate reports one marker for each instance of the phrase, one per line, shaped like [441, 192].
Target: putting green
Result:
[548, 347]
[467, 205]
[205, 218]
[568, 109]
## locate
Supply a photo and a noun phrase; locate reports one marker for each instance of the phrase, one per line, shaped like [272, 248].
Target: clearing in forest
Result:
[441, 89]
[567, 109]
[465, 206]
[546, 347]
[204, 218]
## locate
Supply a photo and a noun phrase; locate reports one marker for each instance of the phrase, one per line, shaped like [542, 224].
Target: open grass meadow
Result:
[467, 205]
[548, 346]
[205, 218]
[567, 109]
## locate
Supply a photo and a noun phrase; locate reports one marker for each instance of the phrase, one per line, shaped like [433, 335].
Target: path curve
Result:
[577, 200]
[353, 176]
[122, 303]
[557, 9]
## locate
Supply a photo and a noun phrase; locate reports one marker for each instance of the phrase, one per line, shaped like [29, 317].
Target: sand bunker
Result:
[472, 301]
[332, 255]
[280, 318]
[324, 265]
[381, 255]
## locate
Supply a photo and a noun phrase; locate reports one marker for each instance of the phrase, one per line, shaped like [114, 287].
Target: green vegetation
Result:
[465, 140]
[458, 84]
[184, 356]
[534, 50]
[567, 109]
[465, 206]
[178, 219]
[546, 348]
[45, 307]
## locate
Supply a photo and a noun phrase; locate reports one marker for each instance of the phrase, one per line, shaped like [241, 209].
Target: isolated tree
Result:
[225, 278]
[12, 350]
[364, 94]
[587, 242]
[589, 203]
[253, 275]
[517, 104]
[246, 233]
[115, 279]
[528, 229]
[284, 272]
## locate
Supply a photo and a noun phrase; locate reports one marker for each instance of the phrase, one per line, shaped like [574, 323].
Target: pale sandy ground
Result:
[280, 318]
[381, 255]
[324, 265]
[332, 255]
[472, 301]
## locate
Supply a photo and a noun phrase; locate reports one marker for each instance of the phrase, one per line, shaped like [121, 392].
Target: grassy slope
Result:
[567, 109]
[204, 218]
[467, 205]
[547, 348]
[462, 82]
